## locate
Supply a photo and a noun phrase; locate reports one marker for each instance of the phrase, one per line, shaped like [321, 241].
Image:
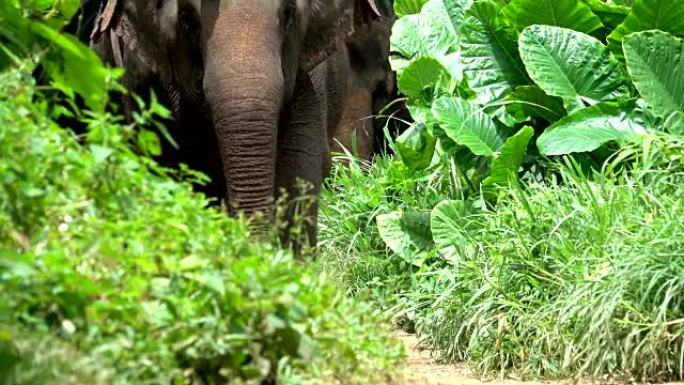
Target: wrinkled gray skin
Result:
[250, 77]
[369, 85]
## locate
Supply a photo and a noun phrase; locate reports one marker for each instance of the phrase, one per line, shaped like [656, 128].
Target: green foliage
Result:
[466, 125]
[476, 72]
[570, 14]
[406, 233]
[588, 129]
[108, 253]
[510, 159]
[31, 29]
[655, 61]
[572, 280]
[489, 54]
[570, 269]
[571, 65]
[665, 15]
[575, 276]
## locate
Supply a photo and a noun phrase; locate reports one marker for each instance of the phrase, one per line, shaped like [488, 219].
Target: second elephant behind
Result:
[369, 84]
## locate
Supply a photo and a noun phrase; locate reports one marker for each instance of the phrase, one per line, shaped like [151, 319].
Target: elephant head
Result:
[241, 60]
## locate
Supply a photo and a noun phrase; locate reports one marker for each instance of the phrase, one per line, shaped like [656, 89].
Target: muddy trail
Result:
[422, 369]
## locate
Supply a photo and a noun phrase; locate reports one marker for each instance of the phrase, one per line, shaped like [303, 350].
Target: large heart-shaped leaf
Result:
[452, 223]
[570, 14]
[446, 232]
[532, 102]
[506, 165]
[406, 233]
[467, 125]
[665, 15]
[423, 78]
[588, 129]
[655, 61]
[433, 32]
[489, 54]
[571, 65]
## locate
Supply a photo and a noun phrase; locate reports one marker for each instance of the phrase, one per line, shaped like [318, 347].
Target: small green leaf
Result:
[611, 15]
[422, 78]
[406, 233]
[532, 102]
[468, 125]
[588, 129]
[451, 223]
[507, 163]
[416, 147]
[408, 7]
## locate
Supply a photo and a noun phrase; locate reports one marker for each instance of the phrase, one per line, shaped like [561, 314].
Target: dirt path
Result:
[423, 370]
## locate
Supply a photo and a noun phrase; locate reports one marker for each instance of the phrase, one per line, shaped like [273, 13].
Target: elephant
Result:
[370, 84]
[256, 88]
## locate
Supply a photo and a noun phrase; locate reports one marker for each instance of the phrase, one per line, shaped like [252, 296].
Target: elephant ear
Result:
[331, 25]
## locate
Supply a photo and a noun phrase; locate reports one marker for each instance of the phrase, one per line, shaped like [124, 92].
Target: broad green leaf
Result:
[408, 7]
[74, 67]
[655, 61]
[506, 164]
[467, 125]
[406, 233]
[665, 15]
[419, 35]
[571, 65]
[416, 147]
[452, 224]
[571, 14]
[422, 78]
[447, 232]
[434, 32]
[532, 102]
[588, 129]
[489, 54]
[611, 15]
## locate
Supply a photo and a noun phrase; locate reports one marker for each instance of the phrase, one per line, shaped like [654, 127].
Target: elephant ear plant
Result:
[248, 85]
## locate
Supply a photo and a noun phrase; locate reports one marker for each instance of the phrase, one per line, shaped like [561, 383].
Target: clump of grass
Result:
[349, 242]
[578, 275]
[580, 278]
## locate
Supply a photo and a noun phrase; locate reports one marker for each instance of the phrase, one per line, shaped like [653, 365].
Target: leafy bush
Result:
[485, 79]
[104, 250]
[31, 29]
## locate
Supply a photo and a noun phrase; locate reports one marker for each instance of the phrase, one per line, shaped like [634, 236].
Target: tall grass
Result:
[580, 275]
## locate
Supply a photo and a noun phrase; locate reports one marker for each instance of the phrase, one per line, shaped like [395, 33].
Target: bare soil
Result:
[423, 369]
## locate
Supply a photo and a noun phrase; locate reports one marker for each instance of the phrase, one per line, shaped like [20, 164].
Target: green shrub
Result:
[104, 250]
[492, 85]
[350, 244]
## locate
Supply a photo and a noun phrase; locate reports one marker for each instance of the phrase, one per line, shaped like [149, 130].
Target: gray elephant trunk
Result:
[243, 84]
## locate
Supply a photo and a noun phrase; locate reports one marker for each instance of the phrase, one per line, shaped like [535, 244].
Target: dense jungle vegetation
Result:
[528, 222]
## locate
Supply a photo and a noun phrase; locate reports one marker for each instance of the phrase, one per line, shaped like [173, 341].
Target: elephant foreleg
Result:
[302, 157]
[355, 130]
